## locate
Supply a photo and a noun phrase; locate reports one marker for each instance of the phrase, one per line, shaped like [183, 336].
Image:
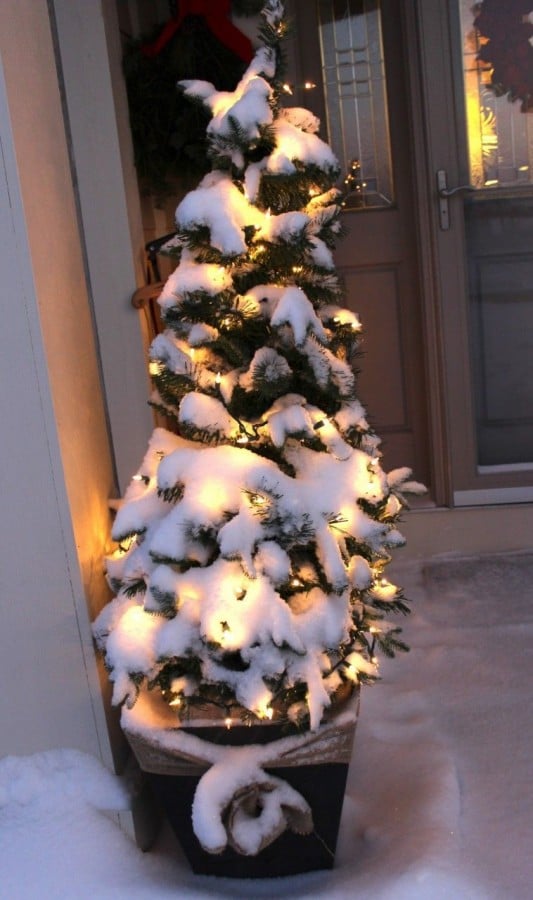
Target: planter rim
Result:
[163, 745]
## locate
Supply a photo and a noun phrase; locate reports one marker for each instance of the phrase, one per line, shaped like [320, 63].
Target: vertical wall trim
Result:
[111, 221]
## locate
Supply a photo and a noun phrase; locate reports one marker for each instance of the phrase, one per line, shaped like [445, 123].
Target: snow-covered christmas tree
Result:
[254, 539]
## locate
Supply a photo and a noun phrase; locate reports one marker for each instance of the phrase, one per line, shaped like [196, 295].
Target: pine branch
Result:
[135, 587]
[283, 192]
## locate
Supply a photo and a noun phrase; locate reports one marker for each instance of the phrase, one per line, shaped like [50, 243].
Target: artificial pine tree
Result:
[253, 541]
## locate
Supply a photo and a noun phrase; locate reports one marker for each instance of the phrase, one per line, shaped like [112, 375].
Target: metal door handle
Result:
[444, 192]
[461, 188]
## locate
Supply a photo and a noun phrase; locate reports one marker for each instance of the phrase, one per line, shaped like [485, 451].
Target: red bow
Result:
[215, 13]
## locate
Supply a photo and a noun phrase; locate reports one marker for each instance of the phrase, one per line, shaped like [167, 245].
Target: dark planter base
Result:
[322, 786]
[315, 766]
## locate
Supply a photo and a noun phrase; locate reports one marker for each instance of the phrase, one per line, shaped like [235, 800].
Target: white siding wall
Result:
[56, 468]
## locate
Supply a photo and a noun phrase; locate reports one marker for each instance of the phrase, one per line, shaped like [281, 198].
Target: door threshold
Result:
[492, 496]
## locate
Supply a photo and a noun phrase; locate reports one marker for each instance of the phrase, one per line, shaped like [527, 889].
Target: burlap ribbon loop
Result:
[260, 812]
[238, 804]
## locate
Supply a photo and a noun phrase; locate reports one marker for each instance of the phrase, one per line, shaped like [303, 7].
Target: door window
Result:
[353, 75]
[499, 112]
[499, 229]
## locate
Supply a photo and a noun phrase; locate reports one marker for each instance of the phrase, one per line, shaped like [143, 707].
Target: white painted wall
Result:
[56, 469]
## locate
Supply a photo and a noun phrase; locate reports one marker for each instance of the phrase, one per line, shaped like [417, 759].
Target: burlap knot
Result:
[259, 813]
[238, 804]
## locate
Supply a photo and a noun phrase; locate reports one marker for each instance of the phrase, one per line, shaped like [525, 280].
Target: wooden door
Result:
[480, 147]
[346, 63]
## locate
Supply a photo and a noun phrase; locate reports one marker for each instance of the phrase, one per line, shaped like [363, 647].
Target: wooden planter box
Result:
[317, 769]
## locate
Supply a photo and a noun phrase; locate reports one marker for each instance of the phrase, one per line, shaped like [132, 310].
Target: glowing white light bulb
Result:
[351, 671]
[227, 722]
[155, 367]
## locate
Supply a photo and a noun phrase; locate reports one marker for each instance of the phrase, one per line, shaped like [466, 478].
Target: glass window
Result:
[498, 91]
[355, 88]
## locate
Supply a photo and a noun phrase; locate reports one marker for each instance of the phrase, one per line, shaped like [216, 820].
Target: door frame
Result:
[432, 60]
[438, 411]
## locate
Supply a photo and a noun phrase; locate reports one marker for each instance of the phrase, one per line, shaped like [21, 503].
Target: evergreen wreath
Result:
[168, 131]
[505, 31]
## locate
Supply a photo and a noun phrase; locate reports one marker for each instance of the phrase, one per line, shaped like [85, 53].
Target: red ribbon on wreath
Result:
[216, 14]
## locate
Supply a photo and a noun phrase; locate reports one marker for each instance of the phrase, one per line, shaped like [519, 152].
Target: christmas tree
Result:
[253, 541]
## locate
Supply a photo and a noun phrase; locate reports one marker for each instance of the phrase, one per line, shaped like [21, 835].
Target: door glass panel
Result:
[500, 130]
[355, 88]
[499, 234]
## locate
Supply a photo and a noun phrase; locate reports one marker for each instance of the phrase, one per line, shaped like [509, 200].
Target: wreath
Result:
[168, 131]
[505, 31]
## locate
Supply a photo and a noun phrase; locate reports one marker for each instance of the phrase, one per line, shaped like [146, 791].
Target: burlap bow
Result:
[254, 815]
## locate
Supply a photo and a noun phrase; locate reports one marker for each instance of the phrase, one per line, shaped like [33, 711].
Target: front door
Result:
[347, 64]
[477, 88]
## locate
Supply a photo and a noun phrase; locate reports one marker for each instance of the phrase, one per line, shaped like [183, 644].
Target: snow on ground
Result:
[439, 795]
